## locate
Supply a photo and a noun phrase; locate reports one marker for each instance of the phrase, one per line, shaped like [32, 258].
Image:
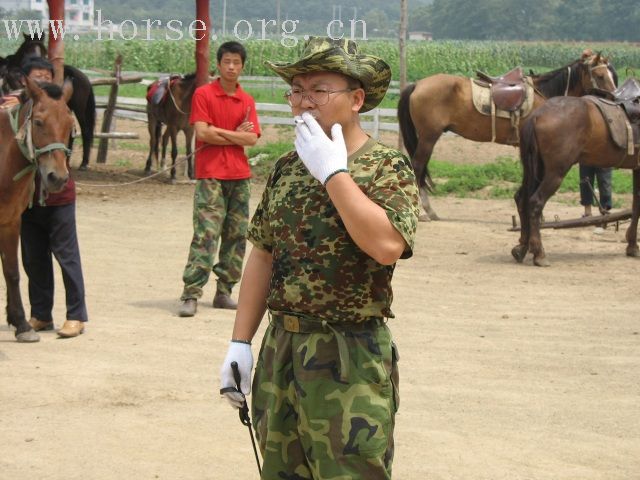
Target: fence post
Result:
[108, 113]
[376, 123]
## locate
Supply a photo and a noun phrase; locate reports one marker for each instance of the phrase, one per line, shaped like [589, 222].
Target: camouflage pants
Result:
[220, 212]
[309, 424]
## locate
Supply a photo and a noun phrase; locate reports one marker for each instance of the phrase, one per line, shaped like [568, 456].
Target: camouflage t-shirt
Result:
[317, 268]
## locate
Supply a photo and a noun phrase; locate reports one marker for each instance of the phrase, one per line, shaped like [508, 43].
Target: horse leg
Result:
[519, 252]
[15, 311]
[549, 185]
[188, 135]
[174, 153]
[87, 140]
[165, 139]
[420, 161]
[153, 142]
[632, 231]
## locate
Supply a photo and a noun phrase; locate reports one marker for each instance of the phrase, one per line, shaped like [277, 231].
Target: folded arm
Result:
[213, 135]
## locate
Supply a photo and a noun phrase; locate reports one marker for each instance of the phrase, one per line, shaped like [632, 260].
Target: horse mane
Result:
[554, 83]
[189, 77]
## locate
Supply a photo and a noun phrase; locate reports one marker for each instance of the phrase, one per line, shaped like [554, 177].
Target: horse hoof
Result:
[30, 336]
[519, 252]
[173, 181]
[83, 168]
[424, 218]
[633, 251]
[541, 262]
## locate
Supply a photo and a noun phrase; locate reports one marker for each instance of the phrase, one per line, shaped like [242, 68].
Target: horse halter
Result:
[587, 62]
[173, 98]
[24, 138]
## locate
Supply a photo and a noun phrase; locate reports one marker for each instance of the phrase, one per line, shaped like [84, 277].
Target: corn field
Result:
[424, 58]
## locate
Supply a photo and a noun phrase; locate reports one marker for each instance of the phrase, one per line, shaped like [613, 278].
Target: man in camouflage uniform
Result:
[335, 216]
[225, 121]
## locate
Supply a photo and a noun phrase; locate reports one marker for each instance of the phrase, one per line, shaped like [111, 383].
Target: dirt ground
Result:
[508, 371]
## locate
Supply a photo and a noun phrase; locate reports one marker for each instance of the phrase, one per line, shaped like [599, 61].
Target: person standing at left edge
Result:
[225, 121]
[49, 228]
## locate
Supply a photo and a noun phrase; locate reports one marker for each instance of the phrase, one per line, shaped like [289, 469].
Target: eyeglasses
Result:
[318, 97]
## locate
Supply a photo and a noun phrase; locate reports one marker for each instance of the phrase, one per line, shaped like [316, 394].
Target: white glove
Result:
[240, 353]
[322, 156]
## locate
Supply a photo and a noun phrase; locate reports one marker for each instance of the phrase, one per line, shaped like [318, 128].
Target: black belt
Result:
[298, 323]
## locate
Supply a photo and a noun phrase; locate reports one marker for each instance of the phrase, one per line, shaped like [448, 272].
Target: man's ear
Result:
[358, 99]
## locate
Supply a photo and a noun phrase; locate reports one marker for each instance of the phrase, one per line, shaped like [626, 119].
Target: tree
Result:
[621, 19]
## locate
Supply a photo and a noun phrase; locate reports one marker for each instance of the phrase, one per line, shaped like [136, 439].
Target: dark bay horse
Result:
[173, 111]
[565, 131]
[82, 103]
[442, 103]
[33, 136]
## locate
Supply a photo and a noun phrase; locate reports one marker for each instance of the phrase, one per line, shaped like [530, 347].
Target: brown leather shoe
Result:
[188, 308]
[222, 300]
[71, 328]
[39, 325]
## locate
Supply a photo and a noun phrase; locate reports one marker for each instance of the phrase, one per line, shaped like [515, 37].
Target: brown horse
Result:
[173, 111]
[442, 103]
[33, 136]
[82, 102]
[562, 132]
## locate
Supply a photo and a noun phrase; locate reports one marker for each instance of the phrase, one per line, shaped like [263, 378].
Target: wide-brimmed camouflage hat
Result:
[324, 54]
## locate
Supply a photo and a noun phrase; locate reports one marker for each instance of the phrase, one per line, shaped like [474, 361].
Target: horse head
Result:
[31, 45]
[597, 73]
[51, 128]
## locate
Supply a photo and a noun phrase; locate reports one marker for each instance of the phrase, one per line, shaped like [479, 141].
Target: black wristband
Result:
[334, 173]
[237, 340]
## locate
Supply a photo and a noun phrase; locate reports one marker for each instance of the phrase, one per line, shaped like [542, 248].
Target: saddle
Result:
[158, 91]
[508, 91]
[628, 95]
[622, 118]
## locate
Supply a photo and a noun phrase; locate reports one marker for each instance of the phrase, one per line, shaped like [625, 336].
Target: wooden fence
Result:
[374, 121]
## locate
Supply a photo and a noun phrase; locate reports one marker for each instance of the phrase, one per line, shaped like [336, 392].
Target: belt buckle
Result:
[291, 323]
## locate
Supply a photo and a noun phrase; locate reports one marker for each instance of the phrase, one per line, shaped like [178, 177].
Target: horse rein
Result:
[173, 99]
[149, 177]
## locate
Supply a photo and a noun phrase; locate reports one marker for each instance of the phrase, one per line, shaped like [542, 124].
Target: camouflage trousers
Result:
[312, 425]
[220, 213]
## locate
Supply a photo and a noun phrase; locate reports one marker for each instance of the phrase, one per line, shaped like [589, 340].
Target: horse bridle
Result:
[173, 99]
[24, 139]
[594, 84]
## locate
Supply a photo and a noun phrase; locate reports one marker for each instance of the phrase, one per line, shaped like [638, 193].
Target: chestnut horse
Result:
[173, 111]
[562, 132]
[442, 103]
[33, 136]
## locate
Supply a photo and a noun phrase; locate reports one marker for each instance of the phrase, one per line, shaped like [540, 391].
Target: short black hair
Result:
[231, 47]
[34, 62]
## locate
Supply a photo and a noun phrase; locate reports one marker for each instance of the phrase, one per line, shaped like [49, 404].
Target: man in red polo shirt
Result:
[225, 121]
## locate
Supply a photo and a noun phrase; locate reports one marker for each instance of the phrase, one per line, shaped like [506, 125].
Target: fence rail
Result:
[373, 121]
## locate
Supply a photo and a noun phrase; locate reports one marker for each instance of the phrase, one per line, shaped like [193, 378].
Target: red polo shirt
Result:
[212, 105]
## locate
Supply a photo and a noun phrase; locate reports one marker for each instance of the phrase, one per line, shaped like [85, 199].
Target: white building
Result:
[78, 13]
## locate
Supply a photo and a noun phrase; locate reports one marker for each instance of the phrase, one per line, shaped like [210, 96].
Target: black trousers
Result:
[48, 231]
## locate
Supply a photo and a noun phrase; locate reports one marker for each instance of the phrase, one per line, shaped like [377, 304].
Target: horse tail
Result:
[407, 128]
[532, 164]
